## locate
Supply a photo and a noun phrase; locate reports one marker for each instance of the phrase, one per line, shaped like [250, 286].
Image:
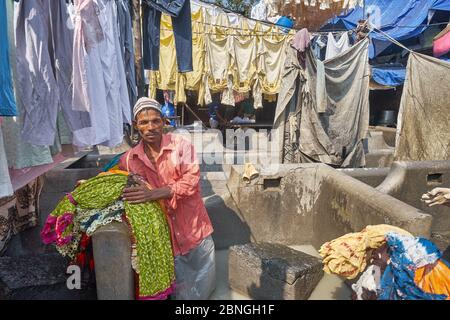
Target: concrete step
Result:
[39, 277]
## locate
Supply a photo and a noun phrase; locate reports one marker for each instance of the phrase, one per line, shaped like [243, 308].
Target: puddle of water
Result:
[330, 287]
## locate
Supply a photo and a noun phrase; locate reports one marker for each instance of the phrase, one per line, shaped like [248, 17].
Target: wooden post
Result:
[192, 111]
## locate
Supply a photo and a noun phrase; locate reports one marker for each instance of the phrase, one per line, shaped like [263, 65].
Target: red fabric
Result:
[442, 45]
[176, 167]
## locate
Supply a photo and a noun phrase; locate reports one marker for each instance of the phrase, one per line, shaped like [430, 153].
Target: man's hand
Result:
[143, 193]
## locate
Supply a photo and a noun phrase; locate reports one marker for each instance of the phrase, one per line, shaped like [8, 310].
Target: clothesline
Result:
[235, 34]
[388, 37]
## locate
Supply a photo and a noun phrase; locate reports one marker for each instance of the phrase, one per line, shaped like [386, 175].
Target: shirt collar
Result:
[166, 144]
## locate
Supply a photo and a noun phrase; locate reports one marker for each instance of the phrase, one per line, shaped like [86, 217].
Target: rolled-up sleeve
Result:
[187, 184]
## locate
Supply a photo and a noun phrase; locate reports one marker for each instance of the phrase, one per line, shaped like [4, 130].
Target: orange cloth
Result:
[434, 279]
[176, 167]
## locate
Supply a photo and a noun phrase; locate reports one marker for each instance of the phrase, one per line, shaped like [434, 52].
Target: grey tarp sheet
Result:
[423, 131]
[335, 136]
[281, 132]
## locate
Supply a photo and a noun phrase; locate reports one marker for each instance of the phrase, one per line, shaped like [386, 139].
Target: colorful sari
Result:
[152, 256]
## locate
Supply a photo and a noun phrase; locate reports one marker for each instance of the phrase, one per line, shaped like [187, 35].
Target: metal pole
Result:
[364, 9]
[182, 115]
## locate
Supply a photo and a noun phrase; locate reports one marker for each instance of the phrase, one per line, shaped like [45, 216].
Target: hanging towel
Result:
[334, 47]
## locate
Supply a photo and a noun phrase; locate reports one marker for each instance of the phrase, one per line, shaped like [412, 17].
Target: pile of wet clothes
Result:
[400, 267]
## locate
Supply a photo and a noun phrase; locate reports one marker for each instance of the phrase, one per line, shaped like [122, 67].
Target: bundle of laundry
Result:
[399, 265]
[347, 255]
[96, 202]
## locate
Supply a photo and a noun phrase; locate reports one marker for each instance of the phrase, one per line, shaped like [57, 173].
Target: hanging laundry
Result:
[194, 79]
[100, 85]
[301, 40]
[347, 255]
[334, 47]
[332, 137]
[5, 181]
[117, 91]
[127, 45]
[180, 11]
[34, 73]
[264, 10]
[441, 43]
[44, 77]
[218, 59]
[272, 55]
[19, 153]
[61, 51]
[422, 126]
[259, 11]
[7, 100]
[168, 77]
[244, 56]
[317, 45]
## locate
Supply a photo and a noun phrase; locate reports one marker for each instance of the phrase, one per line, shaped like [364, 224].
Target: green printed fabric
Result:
[155, 262]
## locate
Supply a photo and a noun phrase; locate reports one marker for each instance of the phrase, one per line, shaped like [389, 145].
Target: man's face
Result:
[150, 125]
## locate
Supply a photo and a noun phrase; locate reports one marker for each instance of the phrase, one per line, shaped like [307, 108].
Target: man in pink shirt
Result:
[168, 163]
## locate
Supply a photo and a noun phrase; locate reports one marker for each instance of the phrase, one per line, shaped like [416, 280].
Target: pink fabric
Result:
[301, 40]
[176, 167]
[160, 296]
[71, 199]
[442, 45]
[21, 177]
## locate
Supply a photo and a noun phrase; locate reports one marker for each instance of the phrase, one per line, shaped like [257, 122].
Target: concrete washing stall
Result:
[299, 205]
[296, 205]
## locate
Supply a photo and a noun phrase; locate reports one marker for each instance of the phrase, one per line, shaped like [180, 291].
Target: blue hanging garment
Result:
[7, 100]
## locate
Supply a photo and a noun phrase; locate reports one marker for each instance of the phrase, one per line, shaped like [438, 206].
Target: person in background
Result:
[169, 164]
[168, 109]
[215, 119]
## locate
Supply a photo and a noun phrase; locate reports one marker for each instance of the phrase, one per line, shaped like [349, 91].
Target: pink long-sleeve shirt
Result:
[176, 167]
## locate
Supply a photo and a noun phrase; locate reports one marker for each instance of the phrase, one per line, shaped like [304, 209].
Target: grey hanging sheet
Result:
[334, 119]
[423, 131]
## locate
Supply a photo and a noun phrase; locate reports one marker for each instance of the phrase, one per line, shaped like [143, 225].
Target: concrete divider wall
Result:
[347, 205]
[371, 176]
[408, 180]
[313, 203]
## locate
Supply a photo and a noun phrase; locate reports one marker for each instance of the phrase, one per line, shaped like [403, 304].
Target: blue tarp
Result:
[400, 19]
[389, 76]
[392, 76]
[443, 5]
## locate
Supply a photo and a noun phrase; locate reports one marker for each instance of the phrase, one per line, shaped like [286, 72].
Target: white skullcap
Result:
[145, 103]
